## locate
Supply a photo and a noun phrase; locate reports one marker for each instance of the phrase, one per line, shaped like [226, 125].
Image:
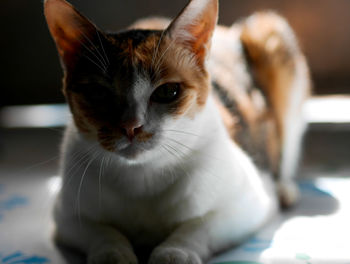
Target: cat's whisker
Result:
[157, 73]
[101, 172]
[156, 49]
[168, 151]
[80, 155]
[181, 144]
[177, 156]
[41, 163]
[181, 132]
[89, 149]
[102, 64]
[78, 203]
[71, 176]
[84, 157]
[38, 164]
[173, 175]
[156, 66]
[99, 57]
[160, 59]
[109, 161]
[192, 150]
[203, 170]
[104, 52]
[99, 63]
[176, 153]
[91, 60]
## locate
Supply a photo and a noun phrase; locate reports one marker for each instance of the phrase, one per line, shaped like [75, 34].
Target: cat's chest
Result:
[125, 200]
[143, 221]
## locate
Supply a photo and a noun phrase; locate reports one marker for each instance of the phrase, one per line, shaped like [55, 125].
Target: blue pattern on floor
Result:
[11, 202]
[20, 258]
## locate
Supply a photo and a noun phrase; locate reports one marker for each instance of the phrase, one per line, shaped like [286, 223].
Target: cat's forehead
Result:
[135, 48]
[130, 57]
[136, 37]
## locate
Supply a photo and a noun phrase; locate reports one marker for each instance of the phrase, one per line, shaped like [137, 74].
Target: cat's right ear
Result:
[194, 26]
[70, 30]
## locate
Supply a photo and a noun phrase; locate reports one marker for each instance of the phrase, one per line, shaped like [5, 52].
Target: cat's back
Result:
[260, 80]
[239, 98]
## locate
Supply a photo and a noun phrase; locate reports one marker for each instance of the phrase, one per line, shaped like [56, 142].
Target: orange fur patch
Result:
[180, 65]
[172, 63]
[273, 59]
[144, 136]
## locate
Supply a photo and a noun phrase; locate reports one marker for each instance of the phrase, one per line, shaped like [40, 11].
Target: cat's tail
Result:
[282, 74]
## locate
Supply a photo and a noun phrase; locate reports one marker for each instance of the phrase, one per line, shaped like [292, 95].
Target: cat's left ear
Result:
[71, 31]
[194, 27]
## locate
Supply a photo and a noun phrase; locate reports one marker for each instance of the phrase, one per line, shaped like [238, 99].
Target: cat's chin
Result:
[132, 154]
[135, 159]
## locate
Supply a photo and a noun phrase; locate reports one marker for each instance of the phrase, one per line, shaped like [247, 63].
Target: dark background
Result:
[31, 74]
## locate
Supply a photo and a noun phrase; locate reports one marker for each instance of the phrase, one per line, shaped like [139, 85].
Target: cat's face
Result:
[129, 107]
[128, 90]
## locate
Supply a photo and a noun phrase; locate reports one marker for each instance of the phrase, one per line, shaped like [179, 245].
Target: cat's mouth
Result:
[125, 146]
[133, 149]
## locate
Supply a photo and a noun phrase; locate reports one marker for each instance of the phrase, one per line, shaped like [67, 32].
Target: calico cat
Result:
[184, 133]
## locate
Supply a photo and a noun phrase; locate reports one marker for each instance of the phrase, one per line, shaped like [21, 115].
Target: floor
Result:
[315, 231]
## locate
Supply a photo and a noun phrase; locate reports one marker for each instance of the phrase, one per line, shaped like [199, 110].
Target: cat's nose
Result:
[131, 129]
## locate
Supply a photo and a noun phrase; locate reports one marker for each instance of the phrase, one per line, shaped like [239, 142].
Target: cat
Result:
[185, 135]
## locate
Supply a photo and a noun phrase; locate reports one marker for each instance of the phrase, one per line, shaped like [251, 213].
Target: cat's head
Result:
[129, 90]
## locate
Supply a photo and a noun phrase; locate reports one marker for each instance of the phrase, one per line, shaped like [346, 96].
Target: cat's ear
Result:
[194, 27]
[70, 30]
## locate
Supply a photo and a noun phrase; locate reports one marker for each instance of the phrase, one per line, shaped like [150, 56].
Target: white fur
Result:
[207, 198]
[295, 123]
[294, 127]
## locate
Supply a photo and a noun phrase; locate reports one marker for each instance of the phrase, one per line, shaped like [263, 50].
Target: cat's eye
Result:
[92, 92]
[166, 93]
[97, 93]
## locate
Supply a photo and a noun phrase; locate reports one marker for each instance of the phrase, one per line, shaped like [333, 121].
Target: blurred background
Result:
[31, 73]
[32, 115]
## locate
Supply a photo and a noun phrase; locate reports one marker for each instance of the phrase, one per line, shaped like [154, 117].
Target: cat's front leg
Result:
[191, 243]
[113, 251]
[174, 254]
[102, 244]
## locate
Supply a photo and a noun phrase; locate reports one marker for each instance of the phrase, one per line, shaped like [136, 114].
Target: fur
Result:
[190, 177]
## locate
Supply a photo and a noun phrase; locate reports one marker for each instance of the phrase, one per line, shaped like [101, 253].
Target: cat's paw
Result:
[174, 255]
[112, 256]
[288, 193]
